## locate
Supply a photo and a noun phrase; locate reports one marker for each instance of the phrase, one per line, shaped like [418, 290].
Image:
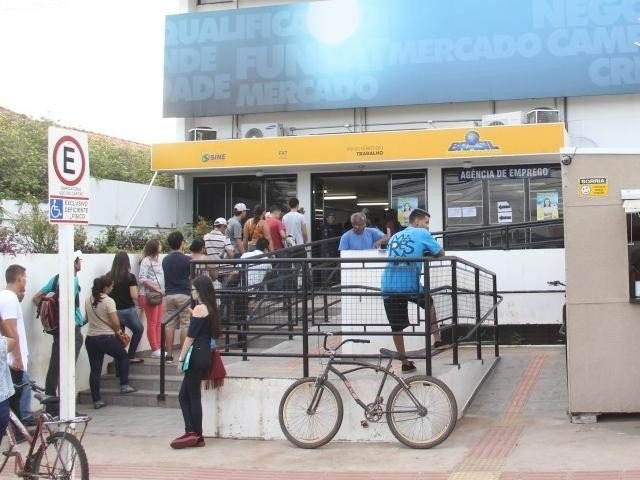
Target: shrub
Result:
[34, 232]
[8, 242]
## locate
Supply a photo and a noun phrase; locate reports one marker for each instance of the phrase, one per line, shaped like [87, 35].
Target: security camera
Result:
[566, 159]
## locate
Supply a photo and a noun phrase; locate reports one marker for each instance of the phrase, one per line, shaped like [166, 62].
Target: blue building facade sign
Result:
[361, 53]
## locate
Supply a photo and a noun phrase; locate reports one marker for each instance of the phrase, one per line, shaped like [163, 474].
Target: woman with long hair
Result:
[391, 223]
[195, 360]
[255, 228]
[101, 338]
[152, 280]
[125, 294]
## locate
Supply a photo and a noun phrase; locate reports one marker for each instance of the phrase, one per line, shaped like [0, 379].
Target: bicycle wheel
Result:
[428, 424]
[305, 428]
[62, 457]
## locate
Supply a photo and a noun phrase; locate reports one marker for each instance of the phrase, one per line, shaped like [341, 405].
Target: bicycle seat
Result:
[46, 399]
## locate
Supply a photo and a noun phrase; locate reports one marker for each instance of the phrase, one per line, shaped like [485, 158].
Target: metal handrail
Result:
[162, 395]
[309, 291]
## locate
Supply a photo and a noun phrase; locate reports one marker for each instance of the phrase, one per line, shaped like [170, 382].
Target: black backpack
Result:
[48, 310]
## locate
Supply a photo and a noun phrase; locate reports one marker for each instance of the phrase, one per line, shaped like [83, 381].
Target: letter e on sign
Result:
[68, 176]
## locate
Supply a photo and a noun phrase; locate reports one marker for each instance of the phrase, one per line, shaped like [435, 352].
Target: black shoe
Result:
[408, 368]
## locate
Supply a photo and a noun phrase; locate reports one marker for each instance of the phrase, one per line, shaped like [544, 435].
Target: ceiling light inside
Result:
[340, 197]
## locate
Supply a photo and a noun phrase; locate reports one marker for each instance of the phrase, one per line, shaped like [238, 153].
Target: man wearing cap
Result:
[216, 243]
[234, 229]
[53, 373]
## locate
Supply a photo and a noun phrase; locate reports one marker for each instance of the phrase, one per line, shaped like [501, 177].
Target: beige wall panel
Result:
[596, 254]
[603, 358]
[603, 327]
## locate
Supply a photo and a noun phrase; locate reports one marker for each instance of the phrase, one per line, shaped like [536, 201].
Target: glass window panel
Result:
[506, 201]
[545, 197]
[210, 200]
[248, 192]
[546, 203]
[279, 191]
[408, 191]
[464, 202]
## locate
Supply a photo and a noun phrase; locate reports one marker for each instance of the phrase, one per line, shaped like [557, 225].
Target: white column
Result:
[303, 188]
[67, 323]
[434, 198]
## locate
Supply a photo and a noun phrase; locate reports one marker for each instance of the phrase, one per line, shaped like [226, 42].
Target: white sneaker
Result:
[155, 354]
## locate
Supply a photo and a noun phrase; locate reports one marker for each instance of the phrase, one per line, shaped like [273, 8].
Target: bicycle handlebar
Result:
[353, 340]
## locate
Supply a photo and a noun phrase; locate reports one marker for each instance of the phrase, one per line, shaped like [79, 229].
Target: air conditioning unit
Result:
[201, 133]
[543, 115]
[506, 118]
[261, 130]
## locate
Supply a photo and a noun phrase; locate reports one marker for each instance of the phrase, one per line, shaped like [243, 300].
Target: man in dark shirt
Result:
[176, 267]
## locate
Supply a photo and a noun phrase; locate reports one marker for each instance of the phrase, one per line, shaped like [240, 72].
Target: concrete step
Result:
[141, 398]
[145, 382]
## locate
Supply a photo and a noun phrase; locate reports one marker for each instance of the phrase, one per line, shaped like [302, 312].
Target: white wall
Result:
[524, 270]
[40, 268]
[113, 203]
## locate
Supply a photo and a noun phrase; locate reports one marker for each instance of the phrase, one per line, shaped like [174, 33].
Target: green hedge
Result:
[23, 159]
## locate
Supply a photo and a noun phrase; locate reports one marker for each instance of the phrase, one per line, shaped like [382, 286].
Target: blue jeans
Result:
[25, 398]
[129, 318]
[20, 401]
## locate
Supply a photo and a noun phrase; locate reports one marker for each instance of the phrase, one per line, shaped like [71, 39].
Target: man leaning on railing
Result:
[401, 280]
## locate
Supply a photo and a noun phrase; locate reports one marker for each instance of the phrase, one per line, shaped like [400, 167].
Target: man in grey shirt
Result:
[234, 229]
[294, 222]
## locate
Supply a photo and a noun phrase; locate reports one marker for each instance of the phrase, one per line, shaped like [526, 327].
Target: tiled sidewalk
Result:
[515, 429]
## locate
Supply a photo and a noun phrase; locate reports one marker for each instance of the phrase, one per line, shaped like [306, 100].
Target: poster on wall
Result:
[405, 205]
[547, 205]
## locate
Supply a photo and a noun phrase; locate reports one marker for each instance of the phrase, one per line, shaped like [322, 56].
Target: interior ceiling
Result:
[369, 188]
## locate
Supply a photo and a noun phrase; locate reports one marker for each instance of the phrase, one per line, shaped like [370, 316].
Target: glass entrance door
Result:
[248, 192]
[215, 198]
[372, 193]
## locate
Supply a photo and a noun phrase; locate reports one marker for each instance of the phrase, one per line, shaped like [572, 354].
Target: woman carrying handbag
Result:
[102, 338]
[195, 360]
[125, 294]
[151, 293]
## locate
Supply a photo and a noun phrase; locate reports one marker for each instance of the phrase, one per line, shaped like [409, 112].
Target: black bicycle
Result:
[421, 411]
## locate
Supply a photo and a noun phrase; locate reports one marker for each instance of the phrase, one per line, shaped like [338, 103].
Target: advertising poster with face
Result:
[547, 205]
[405, 205]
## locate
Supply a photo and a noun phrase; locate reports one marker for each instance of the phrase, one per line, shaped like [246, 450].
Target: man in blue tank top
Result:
[401, 280]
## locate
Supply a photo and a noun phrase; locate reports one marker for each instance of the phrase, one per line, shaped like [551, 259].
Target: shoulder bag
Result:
[153, 297]
[199, 353]
[122, 336]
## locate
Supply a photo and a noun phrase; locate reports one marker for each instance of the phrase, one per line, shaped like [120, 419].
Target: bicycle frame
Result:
[342, 375]
[36, 440]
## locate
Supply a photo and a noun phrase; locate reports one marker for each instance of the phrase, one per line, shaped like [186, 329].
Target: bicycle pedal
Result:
[364, 424]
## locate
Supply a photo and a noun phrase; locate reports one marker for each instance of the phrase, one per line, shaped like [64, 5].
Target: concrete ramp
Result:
[247, 405]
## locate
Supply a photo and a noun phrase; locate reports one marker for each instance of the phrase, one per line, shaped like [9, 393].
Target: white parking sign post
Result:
[68, 206]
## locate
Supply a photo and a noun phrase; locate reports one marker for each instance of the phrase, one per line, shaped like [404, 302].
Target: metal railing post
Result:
[454, 310]
[427, 311]
[305, 320]
[478, 314]
[495, 318]
[162, 395]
